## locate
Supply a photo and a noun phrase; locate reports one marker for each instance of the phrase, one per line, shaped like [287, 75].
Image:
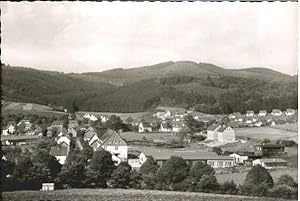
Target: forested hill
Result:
[206, 87]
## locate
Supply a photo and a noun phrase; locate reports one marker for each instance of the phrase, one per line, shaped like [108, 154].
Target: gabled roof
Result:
[262, 111]
[146, 124]
[90, 133]
[212, 127]
[59, 151]
[276, 110]
[222, 128]
[95, 144]
[112, 138]
[250, 111]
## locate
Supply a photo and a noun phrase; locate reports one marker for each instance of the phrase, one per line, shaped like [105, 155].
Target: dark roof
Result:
[186, 155]
[59, 151]
[112, 138]
[222, 128]
[146, 124]
[212, 127]
[270, 145]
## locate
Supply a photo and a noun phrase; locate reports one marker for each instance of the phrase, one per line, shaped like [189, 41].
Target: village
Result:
[213, 132]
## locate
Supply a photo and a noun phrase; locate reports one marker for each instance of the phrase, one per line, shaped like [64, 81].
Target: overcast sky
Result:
[86, 37]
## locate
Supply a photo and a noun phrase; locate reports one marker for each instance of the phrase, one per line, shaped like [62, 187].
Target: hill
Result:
[206, 87]
[124, 194]
[180, 68]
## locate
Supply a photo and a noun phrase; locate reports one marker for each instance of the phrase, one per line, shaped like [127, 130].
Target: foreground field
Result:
[122, 195]
[239, 177]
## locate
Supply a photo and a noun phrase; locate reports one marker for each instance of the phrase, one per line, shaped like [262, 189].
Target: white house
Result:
[212, 132]
[226, 134]
[145, 127]
[9, 129]
[112, 142]
[249, 113]
[290, 112]
[165, 127]
[276, 112]
[93, 139]
[270, 163]
[262, 113]
[60, 153]
[64, 139]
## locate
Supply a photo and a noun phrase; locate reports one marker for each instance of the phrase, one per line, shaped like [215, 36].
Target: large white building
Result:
[220, 133]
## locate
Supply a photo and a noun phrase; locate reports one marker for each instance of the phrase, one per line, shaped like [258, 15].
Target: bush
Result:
[283, 191]
[229, 187]
[287, 180]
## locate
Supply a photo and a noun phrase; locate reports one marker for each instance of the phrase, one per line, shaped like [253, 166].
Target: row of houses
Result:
[221, 133]
[166, 126]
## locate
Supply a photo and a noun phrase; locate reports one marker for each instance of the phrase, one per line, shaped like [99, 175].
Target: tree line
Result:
[87, 169]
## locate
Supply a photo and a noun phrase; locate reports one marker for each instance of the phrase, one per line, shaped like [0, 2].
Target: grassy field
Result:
[122, 195]
[261, 133]
[293, 127]
[161, 137]
[239, 177]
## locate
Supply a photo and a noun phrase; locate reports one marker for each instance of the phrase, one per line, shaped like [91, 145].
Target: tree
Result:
[174, 170]
[121, 176]
[229, 187]
[283, 191]
[115, 123]
[100, 169]
[149, 167]
[73, 171]
[258, 181]
[197, 171]
[287, 180]
[207, 183]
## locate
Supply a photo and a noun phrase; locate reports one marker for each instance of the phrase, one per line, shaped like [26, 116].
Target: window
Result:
[220, 163]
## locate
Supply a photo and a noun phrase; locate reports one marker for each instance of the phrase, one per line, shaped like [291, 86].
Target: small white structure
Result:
[262, 113]
[276, 112]
[249, 113]
[64, 139]
[290, 112]
[270, 163]
[145, 127]
[9, 129]
[47, 187]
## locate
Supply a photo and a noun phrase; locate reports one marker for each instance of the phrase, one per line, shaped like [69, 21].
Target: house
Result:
[262, 113]
[270, 163]
[243, 157]
[249, 113]
[212, 131]
[276, 112]
[93, 139]
[72, 132]
[258, 124]
[165, 127]
[9, 129]
[221, 133]
[104, 118]
[177, 126]
[95, 145]
[234, 115]
[191, 157]
[226, 134]
[90, 117]
[112, 142]
[18, 139]
[63, 140]
[89, 133]
[290, 112]
[145, 127]
[26, 123]
[47, 187]
[269, 150]
[60, 153]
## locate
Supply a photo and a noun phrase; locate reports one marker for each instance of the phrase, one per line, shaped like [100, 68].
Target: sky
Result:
[96, 36]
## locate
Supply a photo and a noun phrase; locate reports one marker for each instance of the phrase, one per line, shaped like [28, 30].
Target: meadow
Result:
[122, 195]
[239, 177]
[261, 133]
